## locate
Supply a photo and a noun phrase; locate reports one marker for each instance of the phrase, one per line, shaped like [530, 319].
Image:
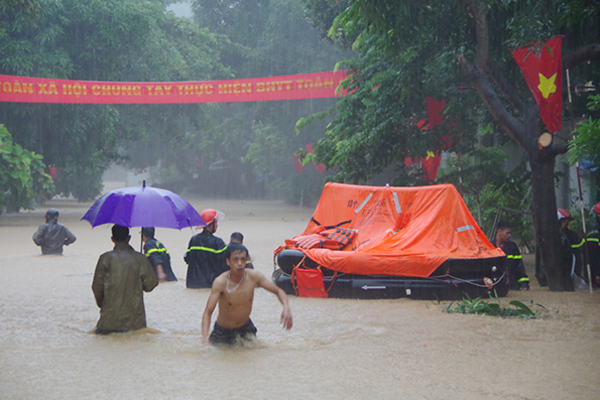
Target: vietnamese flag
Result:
[434, 110]
[543, 73]
[297, 163]
[431, 164]
[320, 168]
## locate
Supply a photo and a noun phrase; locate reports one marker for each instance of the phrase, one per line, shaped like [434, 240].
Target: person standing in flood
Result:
[593, 248]
[205, 255]
[52, 236]
[120, 280]
[158, 255]
[517, 277]
[237, 237]
[233, 291]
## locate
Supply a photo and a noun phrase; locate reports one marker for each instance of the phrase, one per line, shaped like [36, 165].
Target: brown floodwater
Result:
[338, 348]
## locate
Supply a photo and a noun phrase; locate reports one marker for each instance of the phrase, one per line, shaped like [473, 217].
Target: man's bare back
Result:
[233, 291]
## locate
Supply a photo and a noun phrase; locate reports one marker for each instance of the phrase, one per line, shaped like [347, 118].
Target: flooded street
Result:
[353, 349]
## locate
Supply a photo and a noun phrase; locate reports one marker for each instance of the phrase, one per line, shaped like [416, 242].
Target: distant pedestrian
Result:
[158, 255]
[120, 280]
[205, 255]
[52, 236]
[237, 237]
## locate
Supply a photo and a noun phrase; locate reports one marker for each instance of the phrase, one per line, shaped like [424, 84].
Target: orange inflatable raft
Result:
[389, 242]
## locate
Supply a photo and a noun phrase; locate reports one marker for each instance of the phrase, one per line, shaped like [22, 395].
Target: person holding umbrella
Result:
[205, 255]
[120, 280]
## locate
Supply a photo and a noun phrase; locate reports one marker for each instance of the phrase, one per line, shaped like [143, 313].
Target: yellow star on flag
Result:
[429, 154]
[547, 85]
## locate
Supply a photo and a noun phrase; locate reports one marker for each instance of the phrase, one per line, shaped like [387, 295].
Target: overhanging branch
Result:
[506, 89]
[590, 52]
[510, 125]
[481, 32]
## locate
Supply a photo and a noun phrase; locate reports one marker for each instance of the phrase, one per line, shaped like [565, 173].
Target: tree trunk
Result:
[546, 222]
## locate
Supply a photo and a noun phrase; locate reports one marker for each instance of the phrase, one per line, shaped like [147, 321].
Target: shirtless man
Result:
[234, 291]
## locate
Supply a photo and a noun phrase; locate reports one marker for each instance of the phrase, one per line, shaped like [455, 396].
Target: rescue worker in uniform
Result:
[205, 255]
[52, 236]
[576, 242]
[570, 245]
[517, 277]
[157, 255]
[593, 248]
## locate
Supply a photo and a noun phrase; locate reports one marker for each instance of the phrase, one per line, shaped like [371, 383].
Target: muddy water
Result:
[385, 349]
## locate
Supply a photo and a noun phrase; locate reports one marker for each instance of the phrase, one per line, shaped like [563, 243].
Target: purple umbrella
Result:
[143, 206]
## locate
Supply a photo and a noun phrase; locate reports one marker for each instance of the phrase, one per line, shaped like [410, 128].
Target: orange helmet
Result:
[597, 208]
[210, 215]
[564, 214]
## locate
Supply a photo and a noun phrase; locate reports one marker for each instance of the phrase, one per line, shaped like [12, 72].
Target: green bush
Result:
[23, 181]
[495, 309]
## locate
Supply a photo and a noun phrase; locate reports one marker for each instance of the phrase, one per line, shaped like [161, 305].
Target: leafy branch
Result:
[493, 308]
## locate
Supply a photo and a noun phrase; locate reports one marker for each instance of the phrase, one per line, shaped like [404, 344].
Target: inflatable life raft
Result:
[390, 242]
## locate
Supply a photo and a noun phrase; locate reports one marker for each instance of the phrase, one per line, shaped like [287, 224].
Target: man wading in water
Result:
[234, 291]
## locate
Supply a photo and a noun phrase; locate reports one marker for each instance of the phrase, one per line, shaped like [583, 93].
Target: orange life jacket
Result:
[334, 239]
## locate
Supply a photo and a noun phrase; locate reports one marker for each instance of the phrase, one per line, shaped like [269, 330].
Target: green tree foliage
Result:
[586, 145]
[481, 177]
[28, 9]
[458, 51]
[321, 15]
[104, 40]
[267, 38]
[495, 308]
[22, 177]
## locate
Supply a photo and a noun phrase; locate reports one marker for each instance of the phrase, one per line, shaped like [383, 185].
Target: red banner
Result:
[288, 87]
[543, 73]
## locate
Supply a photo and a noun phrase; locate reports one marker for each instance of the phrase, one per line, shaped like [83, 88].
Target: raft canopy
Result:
[399, 231]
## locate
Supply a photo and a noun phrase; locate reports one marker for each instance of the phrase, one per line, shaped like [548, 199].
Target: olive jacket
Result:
[121, 277]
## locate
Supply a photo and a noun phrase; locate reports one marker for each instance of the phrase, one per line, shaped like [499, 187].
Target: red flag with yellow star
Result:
[542, 70]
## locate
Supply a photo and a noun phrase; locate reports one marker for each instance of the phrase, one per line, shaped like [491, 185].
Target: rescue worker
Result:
[120, 280]
[517, 277]
[567, 259]
[593, 248]
[52, 236]
[205, 255]
[157, 255]
[575, 241]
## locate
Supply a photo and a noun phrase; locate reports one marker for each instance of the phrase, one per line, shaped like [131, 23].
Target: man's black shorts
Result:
[222, 335]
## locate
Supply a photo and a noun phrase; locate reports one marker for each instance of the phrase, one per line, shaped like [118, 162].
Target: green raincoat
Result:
[121, 277]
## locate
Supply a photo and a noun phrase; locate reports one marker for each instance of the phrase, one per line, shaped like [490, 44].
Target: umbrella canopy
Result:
[143, 206]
